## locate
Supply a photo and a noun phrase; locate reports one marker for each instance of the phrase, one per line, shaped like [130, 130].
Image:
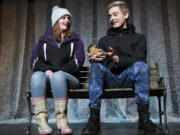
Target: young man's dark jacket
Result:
[129, 46]
[69, 57]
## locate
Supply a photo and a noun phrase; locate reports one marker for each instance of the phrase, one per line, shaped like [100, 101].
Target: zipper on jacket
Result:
[45, 55]
[72, 47]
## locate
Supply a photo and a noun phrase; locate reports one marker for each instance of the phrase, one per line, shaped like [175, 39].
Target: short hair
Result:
[121, 4]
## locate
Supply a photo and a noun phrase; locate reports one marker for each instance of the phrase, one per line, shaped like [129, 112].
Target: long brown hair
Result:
[57, 32]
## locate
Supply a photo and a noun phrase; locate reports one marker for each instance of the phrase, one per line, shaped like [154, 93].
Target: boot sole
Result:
[46, 133]
[65, 132]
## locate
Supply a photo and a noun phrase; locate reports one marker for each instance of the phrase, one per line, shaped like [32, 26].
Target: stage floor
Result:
[106, 129]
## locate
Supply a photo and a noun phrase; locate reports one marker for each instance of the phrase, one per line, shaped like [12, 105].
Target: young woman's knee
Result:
[38, 77]
[58, 76]
[38, 84]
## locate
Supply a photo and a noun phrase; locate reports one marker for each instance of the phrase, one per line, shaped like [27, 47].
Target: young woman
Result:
[55, 62]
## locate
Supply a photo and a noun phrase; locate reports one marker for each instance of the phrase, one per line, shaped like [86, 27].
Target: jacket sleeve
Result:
[101, 44]
[139, 54]
[77, 59]
[34, 57]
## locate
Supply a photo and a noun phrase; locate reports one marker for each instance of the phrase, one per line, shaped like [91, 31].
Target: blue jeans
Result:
[59, 83]
[135, 76]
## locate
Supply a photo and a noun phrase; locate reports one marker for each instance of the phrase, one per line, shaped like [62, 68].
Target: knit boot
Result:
[60, 106]
[145, 124]
[41, 115]
[93, 126]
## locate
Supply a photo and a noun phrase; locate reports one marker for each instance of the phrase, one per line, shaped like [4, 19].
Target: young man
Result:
[122, 63]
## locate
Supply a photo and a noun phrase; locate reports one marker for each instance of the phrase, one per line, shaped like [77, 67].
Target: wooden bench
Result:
[157, 88]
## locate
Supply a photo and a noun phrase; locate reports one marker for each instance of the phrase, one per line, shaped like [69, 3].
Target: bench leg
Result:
[165, 114]
[160, 112]
[30, 114]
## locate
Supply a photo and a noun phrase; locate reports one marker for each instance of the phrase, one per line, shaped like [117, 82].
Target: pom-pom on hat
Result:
[57, 13]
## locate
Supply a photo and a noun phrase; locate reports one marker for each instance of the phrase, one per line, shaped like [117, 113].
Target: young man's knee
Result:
[141, 67]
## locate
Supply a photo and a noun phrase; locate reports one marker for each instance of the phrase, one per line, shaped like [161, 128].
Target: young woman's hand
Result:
[49, 73]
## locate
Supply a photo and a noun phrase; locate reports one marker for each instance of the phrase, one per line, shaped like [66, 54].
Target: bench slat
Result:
[112, 93]
[84, 68]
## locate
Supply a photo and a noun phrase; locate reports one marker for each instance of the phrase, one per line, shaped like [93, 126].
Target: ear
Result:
[126, 15]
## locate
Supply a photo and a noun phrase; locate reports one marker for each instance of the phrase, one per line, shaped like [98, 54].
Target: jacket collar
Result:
[48, 37]
[116, 31]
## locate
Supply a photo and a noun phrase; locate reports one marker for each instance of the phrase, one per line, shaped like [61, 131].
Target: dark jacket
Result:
[128, 45]
[47, 56]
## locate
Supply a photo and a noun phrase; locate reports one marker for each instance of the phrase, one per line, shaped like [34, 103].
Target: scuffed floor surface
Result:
[106, 129]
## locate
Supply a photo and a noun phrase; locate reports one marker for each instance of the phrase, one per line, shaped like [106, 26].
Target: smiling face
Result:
[117, 18]
[64, 23]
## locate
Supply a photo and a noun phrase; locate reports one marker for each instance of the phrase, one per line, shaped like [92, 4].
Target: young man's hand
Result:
[111, 54]
[103, 55]
[115, 58]
[98, 58]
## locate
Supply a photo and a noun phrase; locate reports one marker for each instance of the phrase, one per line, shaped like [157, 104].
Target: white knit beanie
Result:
[57, 13]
